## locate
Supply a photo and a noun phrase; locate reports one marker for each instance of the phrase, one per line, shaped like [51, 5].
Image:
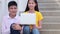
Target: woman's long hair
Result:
[36, 7]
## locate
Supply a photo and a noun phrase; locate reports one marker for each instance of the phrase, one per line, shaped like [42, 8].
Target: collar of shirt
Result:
[12, 18]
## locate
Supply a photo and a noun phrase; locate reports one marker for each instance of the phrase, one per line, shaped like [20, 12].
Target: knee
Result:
[35, 31]
[26, 28]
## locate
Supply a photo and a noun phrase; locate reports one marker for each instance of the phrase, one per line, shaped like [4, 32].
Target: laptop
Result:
[28, 19]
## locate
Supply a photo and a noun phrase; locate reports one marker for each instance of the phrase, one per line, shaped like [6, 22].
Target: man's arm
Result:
[4, 27]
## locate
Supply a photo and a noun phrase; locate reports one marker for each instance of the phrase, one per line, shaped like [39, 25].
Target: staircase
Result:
[51, 12]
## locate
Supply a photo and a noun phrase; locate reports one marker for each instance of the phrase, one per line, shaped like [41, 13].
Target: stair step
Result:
[50, 9]
[50, 22]
[51, 19]
[50, 31]
[50, 13]
[51, 16]
[48, 5]
[46, 1]
[50, 26]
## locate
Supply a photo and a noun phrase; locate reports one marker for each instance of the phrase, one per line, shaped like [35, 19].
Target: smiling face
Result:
[31, 4]
[12, 10]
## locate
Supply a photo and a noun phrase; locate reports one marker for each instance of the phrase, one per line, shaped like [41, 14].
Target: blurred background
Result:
[49, 8]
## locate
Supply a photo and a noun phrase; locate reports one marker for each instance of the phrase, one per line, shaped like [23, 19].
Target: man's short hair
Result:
[12, 3]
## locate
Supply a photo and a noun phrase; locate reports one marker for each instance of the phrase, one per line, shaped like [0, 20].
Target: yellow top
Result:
[39, 17]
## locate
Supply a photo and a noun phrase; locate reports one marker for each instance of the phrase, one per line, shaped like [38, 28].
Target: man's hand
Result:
[17, 27]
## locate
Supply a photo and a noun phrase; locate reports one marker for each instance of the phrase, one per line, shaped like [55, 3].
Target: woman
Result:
[32, 7]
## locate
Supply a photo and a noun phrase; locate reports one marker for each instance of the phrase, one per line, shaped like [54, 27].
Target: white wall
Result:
[4, 7]
[21, 5]
[1, 12]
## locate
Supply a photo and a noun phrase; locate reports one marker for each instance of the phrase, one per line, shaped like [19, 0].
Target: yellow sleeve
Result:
[40, 17]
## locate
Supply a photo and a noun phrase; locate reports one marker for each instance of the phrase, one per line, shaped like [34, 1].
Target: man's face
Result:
[12, 10]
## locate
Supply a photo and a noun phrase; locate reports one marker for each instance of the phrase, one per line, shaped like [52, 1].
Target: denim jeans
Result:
[26, 30]
[35, 31]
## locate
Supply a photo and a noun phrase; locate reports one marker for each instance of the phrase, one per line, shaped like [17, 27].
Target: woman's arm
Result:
[39, 24]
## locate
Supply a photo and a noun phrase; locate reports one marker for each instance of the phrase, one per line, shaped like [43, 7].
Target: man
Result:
[11, 18]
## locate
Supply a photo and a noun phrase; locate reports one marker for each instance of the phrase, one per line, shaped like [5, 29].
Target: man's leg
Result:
[35, 31]
[26, 30]
[12, 31]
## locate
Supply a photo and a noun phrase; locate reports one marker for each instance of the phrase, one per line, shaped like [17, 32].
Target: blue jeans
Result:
[26, 30]
[35, 31]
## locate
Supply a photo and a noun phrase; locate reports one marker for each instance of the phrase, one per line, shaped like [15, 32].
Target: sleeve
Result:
[4, 27]
[40, 17]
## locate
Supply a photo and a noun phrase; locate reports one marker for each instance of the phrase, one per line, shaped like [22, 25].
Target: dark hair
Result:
[36, 7]
[12, 3]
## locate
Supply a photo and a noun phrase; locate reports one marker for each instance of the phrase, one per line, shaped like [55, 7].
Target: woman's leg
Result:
[26, 30]
[12, 31]
[35, 31]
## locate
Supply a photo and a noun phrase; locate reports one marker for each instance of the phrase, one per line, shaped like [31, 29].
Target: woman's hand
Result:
[39, 27]
[39, 24]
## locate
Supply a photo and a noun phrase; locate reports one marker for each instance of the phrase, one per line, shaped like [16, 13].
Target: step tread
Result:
[49, 29]
[50, 26]
[51, 16]
[50, 11]
[50, 23]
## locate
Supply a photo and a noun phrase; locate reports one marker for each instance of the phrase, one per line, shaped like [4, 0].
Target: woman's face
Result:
[31, 4]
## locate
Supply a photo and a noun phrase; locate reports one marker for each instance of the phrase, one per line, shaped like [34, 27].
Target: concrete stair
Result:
[51, 13]
[50, 31]
[49, 4]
